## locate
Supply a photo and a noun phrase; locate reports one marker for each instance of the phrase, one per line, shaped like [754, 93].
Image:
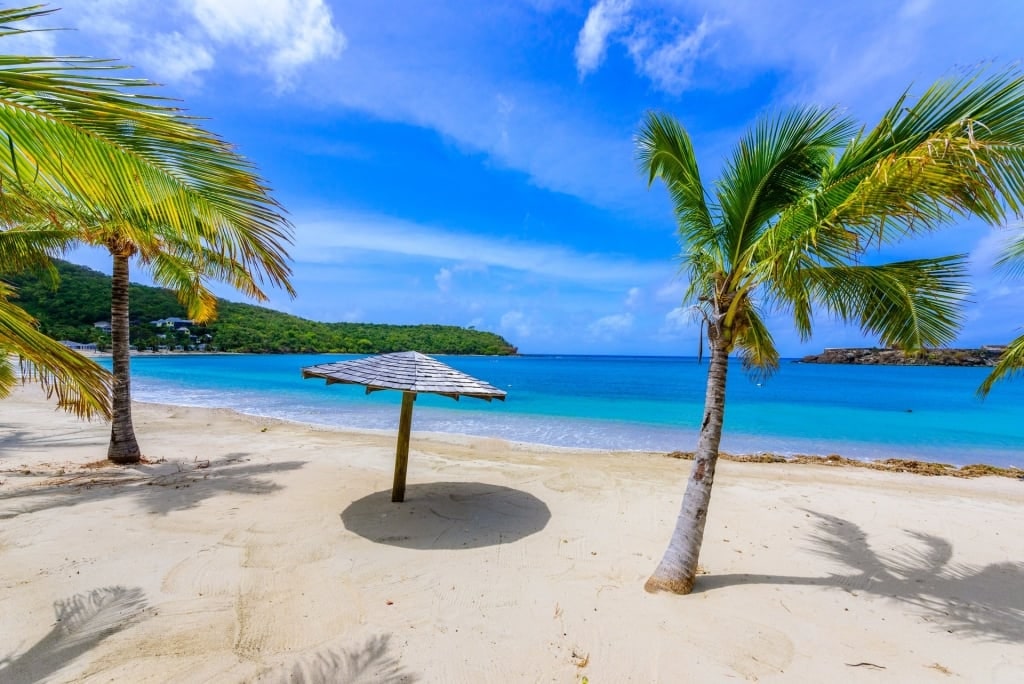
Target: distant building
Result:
[102, 325]
[173, 322]
[79, 346]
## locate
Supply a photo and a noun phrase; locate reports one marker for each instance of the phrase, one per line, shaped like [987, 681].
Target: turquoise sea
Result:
[639, 403]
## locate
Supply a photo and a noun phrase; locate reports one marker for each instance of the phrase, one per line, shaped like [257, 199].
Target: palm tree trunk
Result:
[123, 447]
[678, 568]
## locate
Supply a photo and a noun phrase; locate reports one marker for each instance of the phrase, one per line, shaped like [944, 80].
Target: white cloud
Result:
[177, 41]
[444, 280]
[32, 42]
[611, 326]
[603, 19]
[175, 58]
[678, 320]
[861, 55]
[670, 65]
[914, 8]
[633, 297]
[672, 291]
[517, 125]
[997, 308]
[662, 47]
[424, 69]
[288, 33]
[323, 240]
[514, 322]
[852, 54]
[989, 249]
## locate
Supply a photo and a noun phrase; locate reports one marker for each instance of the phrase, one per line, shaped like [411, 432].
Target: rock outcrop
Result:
[986, 356]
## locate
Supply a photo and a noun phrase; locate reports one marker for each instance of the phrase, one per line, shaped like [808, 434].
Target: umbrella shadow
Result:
[82, 622]
[370, 664]
[159, 489]
[447, 515]
[984, 602]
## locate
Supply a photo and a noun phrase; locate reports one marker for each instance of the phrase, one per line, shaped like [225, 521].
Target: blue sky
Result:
[472, 163]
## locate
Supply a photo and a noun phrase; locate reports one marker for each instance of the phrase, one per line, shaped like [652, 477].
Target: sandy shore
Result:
[259, 550]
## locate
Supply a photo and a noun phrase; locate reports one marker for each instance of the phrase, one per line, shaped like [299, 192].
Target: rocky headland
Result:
[985, 356]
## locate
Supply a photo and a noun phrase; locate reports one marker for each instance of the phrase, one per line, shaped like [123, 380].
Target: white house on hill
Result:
[172, 322]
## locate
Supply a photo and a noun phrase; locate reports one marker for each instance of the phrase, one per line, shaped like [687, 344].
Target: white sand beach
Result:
[258, 550]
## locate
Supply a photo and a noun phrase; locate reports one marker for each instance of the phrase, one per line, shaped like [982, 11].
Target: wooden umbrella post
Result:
[402, 452]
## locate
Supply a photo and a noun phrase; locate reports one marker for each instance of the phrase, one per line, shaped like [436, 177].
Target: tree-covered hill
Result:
[82, 298]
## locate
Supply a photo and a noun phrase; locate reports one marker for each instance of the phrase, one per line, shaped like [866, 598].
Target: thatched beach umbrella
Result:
[412, 373]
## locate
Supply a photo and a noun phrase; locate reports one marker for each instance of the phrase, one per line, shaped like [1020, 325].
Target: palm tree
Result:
[787, 226]
[1011, 361]
[98, 157]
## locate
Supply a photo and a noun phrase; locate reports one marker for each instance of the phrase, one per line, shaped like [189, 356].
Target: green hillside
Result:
[83, 298]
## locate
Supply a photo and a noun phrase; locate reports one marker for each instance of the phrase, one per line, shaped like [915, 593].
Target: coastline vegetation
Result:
[81, 297]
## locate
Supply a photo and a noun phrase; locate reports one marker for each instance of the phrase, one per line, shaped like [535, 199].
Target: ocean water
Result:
[638, 403]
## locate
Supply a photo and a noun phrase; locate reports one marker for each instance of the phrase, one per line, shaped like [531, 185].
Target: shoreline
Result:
[255, 549]
[891, 463]
[786, 424]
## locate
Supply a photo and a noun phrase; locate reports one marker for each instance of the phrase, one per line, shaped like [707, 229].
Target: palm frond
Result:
[700, 268]
[756, 345]
[8, 378]
[27, 247]
[1012, 259]
[97, 148]
[958, 150]
[908, 304]
[665, 151]
[186, 280]
[82, 387]
[776, 164]
[1011, 363]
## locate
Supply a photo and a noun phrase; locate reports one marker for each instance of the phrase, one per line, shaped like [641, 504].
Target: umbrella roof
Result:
[405, 371]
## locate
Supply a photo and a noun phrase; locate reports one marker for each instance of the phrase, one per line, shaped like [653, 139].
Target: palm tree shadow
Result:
[83, 621]
[370, 664]
[983, 602]
[159, 489]
[17, 440]
[447, 515]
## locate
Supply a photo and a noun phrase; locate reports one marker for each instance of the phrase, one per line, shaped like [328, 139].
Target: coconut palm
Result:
[787, 227]
[97, 156]
[1011, 361]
